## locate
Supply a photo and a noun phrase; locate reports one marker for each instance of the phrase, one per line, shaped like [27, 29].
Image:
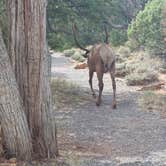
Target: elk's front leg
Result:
[101, 85]
[90, 83]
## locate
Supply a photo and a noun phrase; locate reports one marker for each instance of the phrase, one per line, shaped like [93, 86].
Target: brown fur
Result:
[100, 60]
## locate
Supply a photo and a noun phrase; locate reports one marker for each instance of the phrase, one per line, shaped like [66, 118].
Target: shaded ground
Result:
[99, 136]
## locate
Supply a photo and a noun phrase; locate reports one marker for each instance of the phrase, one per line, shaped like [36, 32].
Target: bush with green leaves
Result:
[132, 44]
[90, 16]
[138, 68]
[74, 53]
[146, 28]
[78, 56]
[124, 51]
[118, 37]
[141, 78]
[120, 70]
[68, 52]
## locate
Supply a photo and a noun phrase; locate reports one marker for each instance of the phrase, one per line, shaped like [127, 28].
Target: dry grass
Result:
[66, 93]
[75, 54]
[120, 69]
[152, 102]
[138, 68]
[141, 79]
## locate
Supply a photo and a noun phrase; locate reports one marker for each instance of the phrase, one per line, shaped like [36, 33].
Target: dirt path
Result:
[100, 136]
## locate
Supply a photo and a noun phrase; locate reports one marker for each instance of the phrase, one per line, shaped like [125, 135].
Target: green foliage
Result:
[120, 70]
[90, 16]
[69, 52]
[132, 44]
[141, 79]
[138, 68]
[146, 28]
[124, 52]
[78, 56]
[58, 41]
[75, 54]
[118, 37]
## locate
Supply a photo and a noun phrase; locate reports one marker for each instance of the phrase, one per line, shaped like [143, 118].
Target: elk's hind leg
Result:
[90, 83]
[112, 73]
[101, 85]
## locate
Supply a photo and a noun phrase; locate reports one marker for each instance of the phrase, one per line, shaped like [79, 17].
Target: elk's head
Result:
[87, 51]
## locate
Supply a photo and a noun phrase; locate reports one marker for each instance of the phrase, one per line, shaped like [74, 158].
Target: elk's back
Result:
[107, 55]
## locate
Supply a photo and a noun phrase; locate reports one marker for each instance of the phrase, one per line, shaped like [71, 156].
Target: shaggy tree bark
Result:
[163, 27]
[163, 20]
[27, 50]
[16, 135]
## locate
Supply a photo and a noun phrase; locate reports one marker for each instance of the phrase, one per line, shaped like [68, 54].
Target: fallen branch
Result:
[81, 66]
[155, 86]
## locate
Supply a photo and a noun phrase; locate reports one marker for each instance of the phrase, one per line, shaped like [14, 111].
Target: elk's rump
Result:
[107, 56]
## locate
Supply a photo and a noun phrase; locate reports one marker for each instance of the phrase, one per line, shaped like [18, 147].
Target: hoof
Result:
[97, 104]
[94, 95]
[114, 106]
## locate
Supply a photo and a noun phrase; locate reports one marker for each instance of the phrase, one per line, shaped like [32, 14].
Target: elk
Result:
[101, 59]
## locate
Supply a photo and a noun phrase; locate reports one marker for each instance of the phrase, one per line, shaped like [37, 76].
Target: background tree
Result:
[146, 29]
[90, 15]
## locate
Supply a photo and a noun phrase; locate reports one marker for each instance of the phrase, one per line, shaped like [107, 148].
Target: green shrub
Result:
[120, 70]
[141, 78]
[69, 52]
[146, 28]
[141, 62]
[137, 66]
[59, 42]
[132, 44]
[131, 66]
[124, 51]
[78, 56]
[118, 37]
[119, 58]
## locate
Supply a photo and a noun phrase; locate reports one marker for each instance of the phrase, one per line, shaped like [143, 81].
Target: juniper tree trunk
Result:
[28, 54]
[16, 135]
[163, 24]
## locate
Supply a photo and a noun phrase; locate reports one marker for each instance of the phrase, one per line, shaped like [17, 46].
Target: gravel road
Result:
[100, 136]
